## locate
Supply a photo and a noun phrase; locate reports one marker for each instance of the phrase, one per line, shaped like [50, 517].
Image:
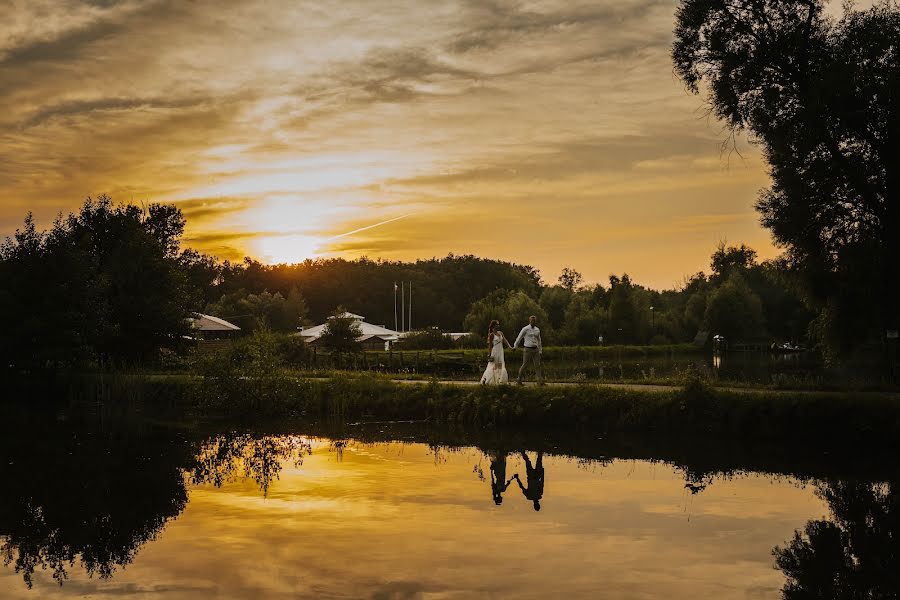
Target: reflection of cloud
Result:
[628, 525]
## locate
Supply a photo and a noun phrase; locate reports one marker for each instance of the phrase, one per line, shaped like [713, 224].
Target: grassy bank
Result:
[694, 410]
[252, 388]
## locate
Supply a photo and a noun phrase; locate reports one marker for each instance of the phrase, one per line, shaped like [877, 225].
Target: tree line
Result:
[110, 284]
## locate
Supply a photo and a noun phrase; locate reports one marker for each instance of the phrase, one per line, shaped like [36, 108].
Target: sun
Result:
[292, 248]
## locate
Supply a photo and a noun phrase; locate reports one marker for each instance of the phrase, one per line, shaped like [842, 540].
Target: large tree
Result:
[105, 282]
[820, 96]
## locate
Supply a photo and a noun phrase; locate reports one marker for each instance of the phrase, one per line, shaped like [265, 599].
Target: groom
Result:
[530, 337]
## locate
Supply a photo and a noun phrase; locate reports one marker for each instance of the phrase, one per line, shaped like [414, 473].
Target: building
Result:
[374, 337]
[210, 326]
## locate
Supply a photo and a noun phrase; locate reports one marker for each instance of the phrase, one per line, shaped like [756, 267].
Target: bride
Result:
[495, 373]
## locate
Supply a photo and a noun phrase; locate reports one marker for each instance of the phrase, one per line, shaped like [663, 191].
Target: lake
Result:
[125, 505]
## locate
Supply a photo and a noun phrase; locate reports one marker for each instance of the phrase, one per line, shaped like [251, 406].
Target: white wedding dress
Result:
[495, 373]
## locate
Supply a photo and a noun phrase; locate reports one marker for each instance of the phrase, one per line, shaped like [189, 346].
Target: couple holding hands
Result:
[529, 337]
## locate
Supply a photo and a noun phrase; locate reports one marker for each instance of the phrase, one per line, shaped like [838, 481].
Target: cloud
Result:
[82, 27]
[95, 107]
[277, 116]
[501, 22]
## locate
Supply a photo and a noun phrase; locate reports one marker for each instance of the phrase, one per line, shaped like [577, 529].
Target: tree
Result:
[570, 279]
[430, 338]
[852, 554]
[821, 98]
[511, 308]
[341, 332]
[583, 323]
[204, 276]
[622, 314]
[104, 283]
[555, 300]
[726, 260]
[274, 310]
[733, 310]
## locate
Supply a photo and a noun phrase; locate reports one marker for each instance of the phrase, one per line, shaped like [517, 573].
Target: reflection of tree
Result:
[86, 497]
[853, 555]
[225, 458]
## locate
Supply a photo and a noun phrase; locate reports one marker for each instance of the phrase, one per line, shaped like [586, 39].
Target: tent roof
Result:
[349, 315]
[367, 330]
[202, 322]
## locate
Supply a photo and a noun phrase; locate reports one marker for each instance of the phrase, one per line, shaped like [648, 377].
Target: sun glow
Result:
[292, 248]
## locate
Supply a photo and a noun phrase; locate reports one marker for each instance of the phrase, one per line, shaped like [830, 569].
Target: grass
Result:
[694, 409]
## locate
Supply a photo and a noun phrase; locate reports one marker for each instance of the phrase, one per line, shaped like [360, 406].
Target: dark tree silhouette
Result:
[821, 98]
[570, 279]
[81, 496]
[104, 283]
[851, 556]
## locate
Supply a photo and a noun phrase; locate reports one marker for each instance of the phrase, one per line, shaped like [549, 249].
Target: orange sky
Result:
[548, 132]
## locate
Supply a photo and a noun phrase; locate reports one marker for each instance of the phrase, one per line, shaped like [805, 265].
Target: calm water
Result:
[133, 509]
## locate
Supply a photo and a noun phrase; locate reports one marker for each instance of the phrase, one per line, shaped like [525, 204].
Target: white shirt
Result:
[531, 336]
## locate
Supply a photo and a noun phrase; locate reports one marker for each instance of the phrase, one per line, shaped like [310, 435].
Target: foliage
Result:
[733, 310]
[820, 96]
[625, 320]
[245, 309]
[583, 323]
[104, 283]
[427, 339]
[341, 333]
[555, 300]
[852, 554]
[511, 308]
[443, 288]
[570, 279]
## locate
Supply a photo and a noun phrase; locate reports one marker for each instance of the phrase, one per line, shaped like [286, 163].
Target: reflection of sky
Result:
[392, 521]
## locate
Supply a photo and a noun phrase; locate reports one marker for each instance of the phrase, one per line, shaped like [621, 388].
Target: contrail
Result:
[370, 226]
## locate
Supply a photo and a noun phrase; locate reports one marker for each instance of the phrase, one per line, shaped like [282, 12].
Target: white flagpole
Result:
[409, 323]
[402, 306]
[395, 306]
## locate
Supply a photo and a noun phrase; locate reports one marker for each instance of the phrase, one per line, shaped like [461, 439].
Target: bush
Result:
[292, 351]
[427, 339]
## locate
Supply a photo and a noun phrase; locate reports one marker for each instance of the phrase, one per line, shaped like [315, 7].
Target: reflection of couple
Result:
[534, 475]
[529, 337]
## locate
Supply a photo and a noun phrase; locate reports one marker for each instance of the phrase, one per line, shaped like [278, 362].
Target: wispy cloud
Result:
[299, 122]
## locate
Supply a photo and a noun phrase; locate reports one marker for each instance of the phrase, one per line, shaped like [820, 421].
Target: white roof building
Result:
[201, 322]
[369, 332]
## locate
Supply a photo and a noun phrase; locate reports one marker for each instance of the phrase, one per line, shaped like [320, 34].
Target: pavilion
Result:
[373, 337]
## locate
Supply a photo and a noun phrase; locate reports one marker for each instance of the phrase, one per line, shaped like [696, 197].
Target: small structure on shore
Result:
[211, 326]
[373, 337]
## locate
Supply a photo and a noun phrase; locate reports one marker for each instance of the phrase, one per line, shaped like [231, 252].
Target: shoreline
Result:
[697, 410]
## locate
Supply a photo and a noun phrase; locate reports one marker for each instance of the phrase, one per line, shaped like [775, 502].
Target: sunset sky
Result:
[548, 132]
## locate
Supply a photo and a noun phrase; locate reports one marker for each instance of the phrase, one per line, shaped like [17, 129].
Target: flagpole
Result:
[402, 306]
[409, 321]
[395, 306]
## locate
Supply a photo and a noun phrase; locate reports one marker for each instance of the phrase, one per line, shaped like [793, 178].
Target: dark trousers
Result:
[531, 356]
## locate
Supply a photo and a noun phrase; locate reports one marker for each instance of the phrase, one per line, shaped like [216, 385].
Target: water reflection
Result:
[71, 498]
[86, 499]
[499, 482]
[229, 457]
[854, 554]
[535, 477]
